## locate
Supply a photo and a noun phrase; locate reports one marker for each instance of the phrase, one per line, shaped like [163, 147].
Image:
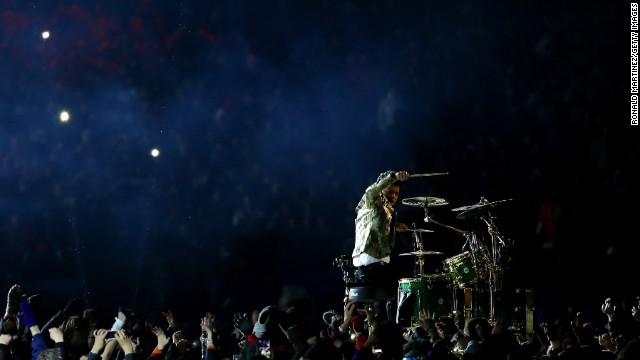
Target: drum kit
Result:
[471, 282]
[476, 272]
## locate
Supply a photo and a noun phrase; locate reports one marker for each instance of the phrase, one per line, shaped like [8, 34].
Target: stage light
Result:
[155, 152]
[64, 116]
[45, 35]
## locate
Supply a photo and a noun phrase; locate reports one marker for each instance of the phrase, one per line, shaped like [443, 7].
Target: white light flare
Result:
[64, 116]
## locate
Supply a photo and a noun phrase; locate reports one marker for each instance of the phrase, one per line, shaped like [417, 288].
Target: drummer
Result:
[376, 226]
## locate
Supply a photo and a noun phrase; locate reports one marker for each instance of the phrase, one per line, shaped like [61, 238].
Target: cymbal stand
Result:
[496, 245]
[418, 246]
[429, 219]
[475, 246]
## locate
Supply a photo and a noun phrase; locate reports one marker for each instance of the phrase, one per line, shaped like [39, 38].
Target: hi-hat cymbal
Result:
[477, 210]
[420, 230]
[423, 201]
[422, 253]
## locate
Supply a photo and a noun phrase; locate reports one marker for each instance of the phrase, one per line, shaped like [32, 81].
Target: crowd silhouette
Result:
[353, 332]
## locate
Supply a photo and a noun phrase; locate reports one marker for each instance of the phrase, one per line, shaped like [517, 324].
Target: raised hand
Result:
[163, 340]
[135, 343]
[13, 301]
[9, 324]
[27, 316]
[348, 311]
[124, 341]
[368, 314]
[402, 175]
[608, 308]
[426, 314]
[606, 342]
[99, 336]
[184, 344]
[242, 324]
[56, 335]
[177, 336]
[171, 320]
[208, 322]
[206, 325]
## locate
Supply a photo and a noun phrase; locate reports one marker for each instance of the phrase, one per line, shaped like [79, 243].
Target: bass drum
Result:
[434, 293]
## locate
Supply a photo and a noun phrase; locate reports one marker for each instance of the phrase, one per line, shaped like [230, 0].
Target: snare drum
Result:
[433, 293]
[464, 270]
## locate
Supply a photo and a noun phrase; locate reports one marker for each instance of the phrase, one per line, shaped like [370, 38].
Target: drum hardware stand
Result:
[429, 219]
[474, 246]
[524, 323]
[495, 283]
[529, 311]
[343, 262]
[468, 305]
[418, 246]
[481, 210]
[471, 309]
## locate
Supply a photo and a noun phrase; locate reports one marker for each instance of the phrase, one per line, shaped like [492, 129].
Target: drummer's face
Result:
[392, 193]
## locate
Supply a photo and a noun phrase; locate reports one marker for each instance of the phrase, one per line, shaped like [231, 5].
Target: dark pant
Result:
[380, 276]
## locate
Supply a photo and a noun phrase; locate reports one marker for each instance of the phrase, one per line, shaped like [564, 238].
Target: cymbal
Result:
[424, 201]
[477, 210]
[420, 230]
[422, 253]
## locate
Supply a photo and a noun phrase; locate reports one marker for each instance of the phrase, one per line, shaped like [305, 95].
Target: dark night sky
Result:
[272, 117]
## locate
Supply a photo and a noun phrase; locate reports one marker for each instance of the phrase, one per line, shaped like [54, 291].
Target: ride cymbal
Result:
[423, 201]
[477, 210]
[422, 253]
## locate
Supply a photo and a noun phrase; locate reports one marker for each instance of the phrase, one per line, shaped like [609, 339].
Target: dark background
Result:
[272, 117]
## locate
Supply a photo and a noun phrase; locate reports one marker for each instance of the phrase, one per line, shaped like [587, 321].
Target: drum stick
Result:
[430, 174]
